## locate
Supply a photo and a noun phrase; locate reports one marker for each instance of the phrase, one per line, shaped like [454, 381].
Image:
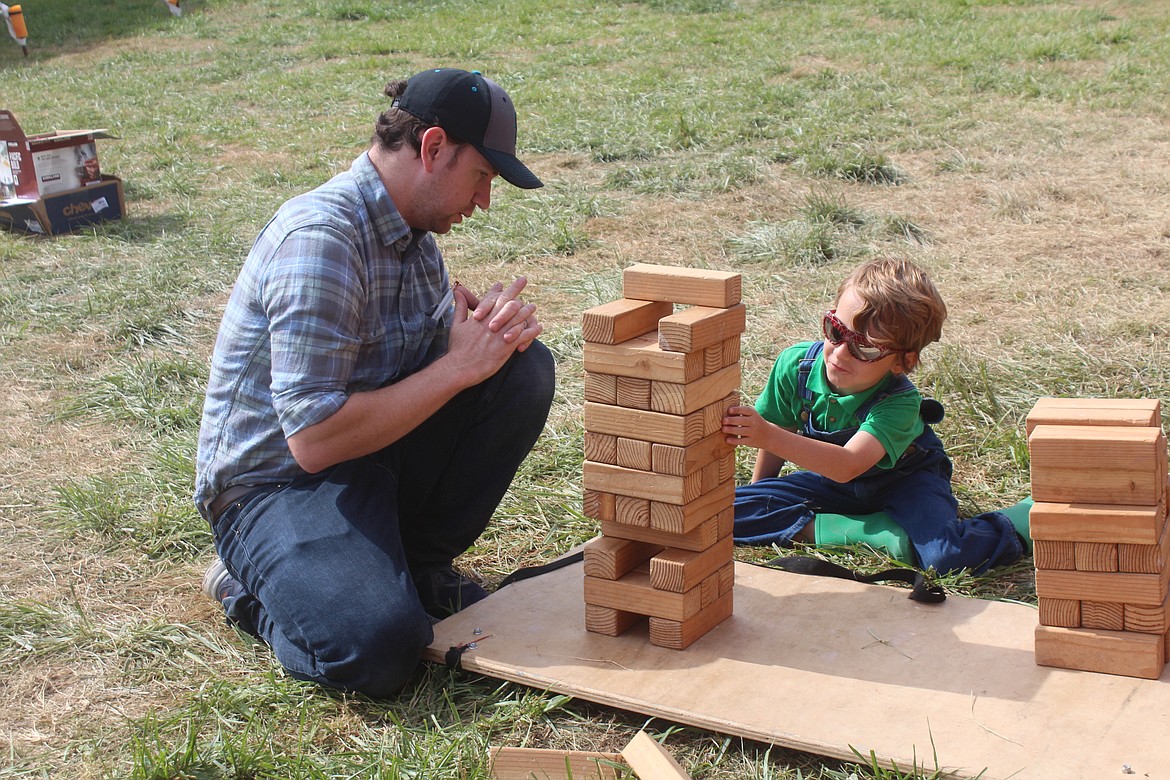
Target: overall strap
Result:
[901, 384]
[803, 371]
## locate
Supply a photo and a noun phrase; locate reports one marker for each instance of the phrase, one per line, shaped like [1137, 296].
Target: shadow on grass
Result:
[58, 27]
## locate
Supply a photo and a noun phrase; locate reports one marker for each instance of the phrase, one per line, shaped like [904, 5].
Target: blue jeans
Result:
[773, 511]
[327, 559]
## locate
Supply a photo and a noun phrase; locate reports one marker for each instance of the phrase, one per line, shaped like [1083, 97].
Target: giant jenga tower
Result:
[1099, 480]
[659, 475]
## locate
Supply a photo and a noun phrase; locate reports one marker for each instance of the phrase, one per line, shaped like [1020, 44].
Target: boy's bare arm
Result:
[767, 465]
[744, 426]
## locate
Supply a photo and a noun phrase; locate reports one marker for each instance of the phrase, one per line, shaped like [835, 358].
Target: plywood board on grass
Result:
[828, 666]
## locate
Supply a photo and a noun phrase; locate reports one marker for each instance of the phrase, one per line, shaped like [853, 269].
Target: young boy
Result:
[844, 410]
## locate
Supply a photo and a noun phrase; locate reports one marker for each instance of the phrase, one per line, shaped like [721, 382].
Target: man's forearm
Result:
[374, 419]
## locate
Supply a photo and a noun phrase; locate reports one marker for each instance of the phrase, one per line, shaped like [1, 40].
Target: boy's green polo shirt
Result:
[895, 421]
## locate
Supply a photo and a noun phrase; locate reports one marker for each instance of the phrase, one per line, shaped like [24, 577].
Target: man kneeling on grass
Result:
[364, 416]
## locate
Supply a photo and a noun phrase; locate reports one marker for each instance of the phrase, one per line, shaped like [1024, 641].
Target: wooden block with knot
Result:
[687, 286]
[1098, 464]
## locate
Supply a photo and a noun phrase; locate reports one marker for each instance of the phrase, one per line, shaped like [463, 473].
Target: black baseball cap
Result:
[471, 108]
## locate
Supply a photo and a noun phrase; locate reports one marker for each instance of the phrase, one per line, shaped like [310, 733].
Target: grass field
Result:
[1019, 150]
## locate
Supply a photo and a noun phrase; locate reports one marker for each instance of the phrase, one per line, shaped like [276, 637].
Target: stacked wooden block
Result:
[658, 474]
[1099, 481]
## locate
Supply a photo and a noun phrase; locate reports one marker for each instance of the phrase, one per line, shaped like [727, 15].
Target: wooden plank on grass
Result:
[643, 358]
[1135, 412]
[650, 761]
[515, 763]
[700, 327]
[1110, 652]
[688, 286]
[622, 320]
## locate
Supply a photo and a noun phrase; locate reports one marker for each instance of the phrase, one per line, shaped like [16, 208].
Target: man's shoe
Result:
[444, 591]
[219, 584]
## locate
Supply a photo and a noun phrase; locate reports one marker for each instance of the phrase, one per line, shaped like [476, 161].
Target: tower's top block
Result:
[1137, 412]
[688, 286]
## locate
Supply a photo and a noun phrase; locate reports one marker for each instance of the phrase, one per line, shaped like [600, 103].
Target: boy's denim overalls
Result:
[916, 492]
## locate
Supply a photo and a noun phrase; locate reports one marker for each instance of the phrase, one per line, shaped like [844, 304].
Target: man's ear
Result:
[906, 362]
[431, 142]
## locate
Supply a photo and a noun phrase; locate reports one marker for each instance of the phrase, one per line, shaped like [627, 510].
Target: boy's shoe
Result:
[219, 584]
[444, 591]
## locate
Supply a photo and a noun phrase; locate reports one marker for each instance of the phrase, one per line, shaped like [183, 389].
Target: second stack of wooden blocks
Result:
[658, 475]
[1099, 481]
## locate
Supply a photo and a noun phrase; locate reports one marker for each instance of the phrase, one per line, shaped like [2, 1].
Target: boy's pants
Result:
[327, 558]
[773, 511]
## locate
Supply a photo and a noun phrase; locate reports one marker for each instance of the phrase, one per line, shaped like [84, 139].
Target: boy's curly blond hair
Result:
[900, 306]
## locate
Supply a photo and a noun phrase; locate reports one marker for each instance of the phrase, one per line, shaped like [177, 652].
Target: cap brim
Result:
[511, 169]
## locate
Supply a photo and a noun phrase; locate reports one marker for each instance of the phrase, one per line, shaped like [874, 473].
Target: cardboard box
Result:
[52, 183]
